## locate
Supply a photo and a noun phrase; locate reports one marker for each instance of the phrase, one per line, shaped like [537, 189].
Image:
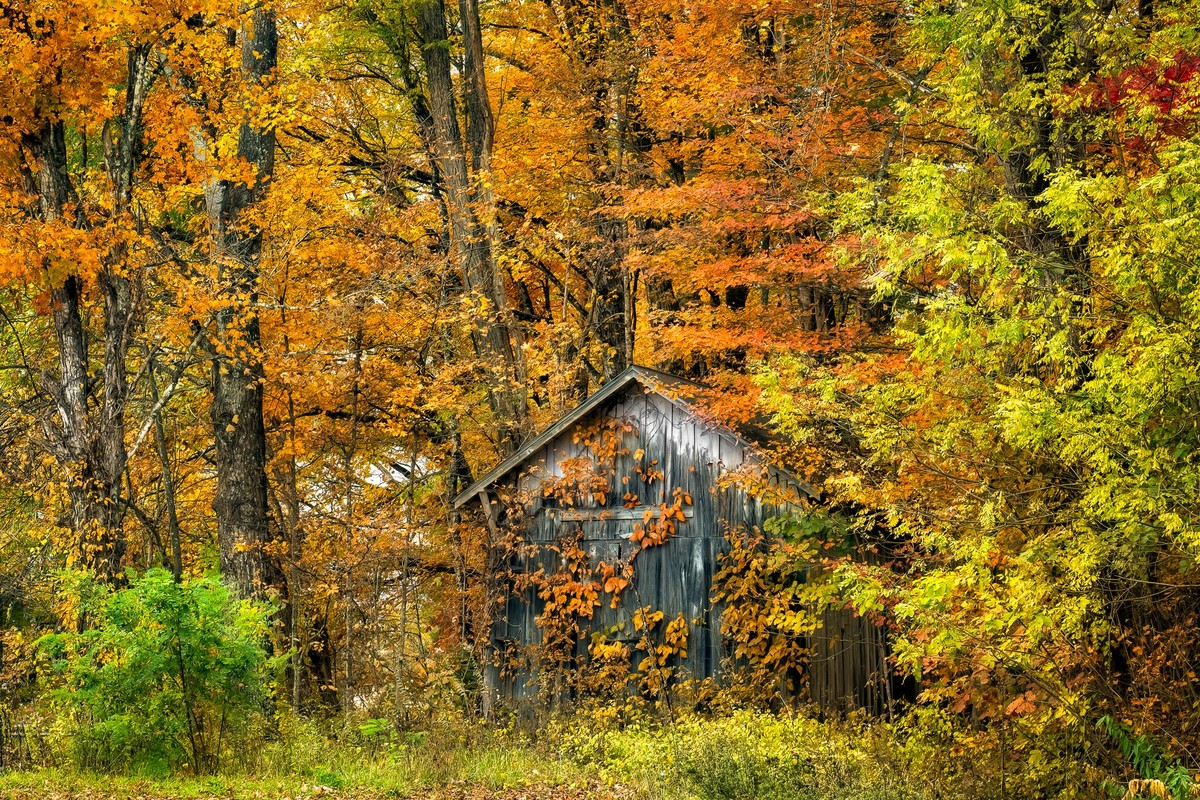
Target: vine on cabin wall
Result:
[656, 647]
[771, 585]
[767, 615]
[775, 588]
[571, 594]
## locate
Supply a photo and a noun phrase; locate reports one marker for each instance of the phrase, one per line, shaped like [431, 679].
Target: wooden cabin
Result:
[657, 448]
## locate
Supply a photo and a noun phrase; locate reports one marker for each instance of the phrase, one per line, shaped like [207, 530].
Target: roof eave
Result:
[630, 375]
[650, 378]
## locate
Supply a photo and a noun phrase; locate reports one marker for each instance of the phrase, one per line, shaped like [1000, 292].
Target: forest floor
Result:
[57, 786]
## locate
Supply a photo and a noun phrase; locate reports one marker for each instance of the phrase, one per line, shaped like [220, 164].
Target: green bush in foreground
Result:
[170, 676]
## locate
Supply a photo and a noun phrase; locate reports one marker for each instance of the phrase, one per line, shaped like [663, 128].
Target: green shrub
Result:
[745, 756]
[748, 757]
[1147, 759]
[169, 675]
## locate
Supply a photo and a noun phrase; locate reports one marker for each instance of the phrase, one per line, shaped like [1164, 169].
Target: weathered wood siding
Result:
[676, 577]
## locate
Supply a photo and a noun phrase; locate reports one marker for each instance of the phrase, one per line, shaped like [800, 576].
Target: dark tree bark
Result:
[240, 500]
[611, 302]
[470, 206]
[168, 475]
[88, 437]
[478, 109]
[594, 34]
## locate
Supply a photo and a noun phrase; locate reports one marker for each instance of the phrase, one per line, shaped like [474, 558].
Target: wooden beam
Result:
[489, 513]
[637, 514]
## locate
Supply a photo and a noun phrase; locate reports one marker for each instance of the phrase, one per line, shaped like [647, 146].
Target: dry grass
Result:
[62, 786]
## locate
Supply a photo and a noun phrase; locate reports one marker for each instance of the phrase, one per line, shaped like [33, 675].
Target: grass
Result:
[738, 756]
[453, 768]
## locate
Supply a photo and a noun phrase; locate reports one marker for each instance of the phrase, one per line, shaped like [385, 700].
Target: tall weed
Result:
[743, 756]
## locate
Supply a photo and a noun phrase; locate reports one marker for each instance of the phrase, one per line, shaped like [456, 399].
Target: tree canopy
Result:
[279, 280]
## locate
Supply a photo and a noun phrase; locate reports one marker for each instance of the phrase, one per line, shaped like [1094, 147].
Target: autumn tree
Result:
[1052, 576]
[464, 168]
[240, 499]
[73, 156]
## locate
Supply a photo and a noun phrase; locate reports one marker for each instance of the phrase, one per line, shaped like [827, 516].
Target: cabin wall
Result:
[675, 577]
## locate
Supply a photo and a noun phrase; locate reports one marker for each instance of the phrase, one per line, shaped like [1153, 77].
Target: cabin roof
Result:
[672, 387]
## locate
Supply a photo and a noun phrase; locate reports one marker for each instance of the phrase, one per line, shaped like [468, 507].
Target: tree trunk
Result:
[168, 476]
[470, 207]
[89, 440]
[240, 501]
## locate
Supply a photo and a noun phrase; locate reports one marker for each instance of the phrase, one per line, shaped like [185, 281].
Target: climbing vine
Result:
[570, 584]
[773, 586]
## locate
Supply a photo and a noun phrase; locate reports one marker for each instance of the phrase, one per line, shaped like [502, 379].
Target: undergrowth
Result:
[744, 755]
[604, 752]
[305, 759]
[741, 756]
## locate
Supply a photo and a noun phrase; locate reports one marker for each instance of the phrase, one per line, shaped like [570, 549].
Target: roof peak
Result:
[653, 379]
